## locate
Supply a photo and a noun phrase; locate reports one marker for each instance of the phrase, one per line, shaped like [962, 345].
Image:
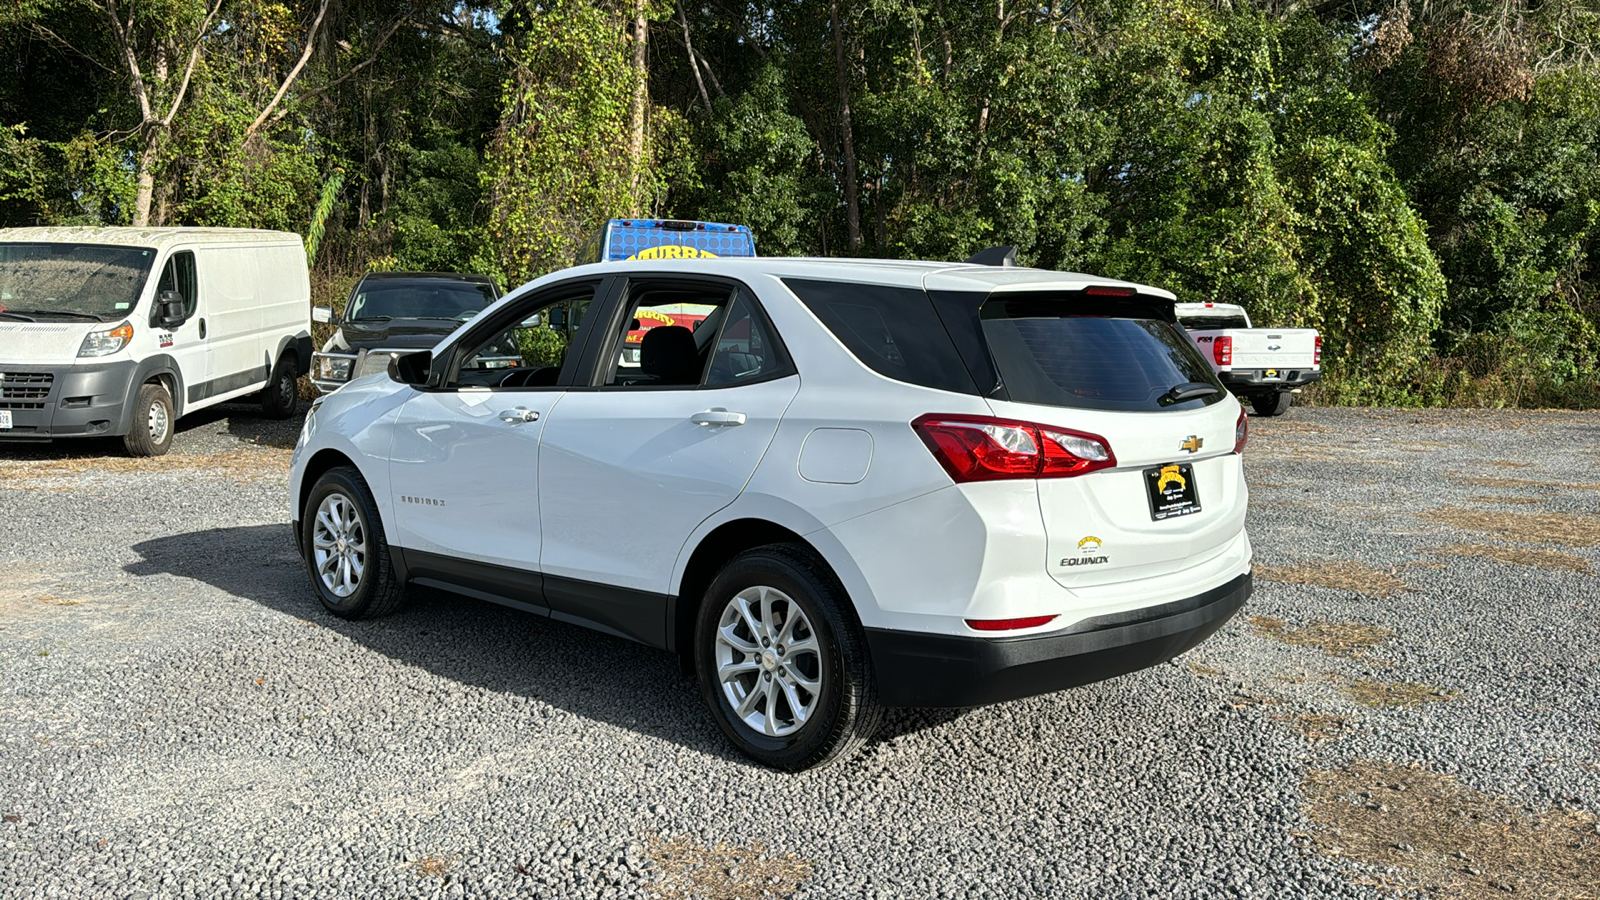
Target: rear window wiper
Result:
[1189, 390]
[57, 312]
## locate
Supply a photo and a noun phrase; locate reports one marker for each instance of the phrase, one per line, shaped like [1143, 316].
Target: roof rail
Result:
[994, 256]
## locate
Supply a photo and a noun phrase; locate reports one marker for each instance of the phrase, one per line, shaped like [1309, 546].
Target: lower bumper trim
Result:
[933, 670]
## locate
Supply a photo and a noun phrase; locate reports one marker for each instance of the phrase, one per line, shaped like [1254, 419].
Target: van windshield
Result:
[70, 281]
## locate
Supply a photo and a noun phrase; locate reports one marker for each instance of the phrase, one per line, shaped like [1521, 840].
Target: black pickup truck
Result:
[395, 312]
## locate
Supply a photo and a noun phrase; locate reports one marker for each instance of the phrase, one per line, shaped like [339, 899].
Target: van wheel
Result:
[1274, 404]
[782, 661]
[282, 394]
[151, 433]
[346, 554]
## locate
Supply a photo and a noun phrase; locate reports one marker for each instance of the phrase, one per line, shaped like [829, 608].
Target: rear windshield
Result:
[1121, 358]
[1212, 323]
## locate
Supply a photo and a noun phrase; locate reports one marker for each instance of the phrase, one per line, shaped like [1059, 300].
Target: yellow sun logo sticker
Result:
[1169, 474]
[1089, 544]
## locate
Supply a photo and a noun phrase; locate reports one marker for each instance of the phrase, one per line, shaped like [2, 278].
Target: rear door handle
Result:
[717, 416]
[518, 415]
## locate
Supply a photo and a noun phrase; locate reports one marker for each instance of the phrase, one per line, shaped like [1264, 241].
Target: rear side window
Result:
[893, 331]
[1091, 353]
[1213, 323]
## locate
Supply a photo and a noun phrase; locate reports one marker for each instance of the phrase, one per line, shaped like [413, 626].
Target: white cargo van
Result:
[120, 331]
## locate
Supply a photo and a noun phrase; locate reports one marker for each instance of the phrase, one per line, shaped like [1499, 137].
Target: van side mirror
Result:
[411, 368]
[322, 315]
[556, 317]
[170, 311]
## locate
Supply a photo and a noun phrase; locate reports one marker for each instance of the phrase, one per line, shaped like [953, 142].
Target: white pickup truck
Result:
[1267, 366]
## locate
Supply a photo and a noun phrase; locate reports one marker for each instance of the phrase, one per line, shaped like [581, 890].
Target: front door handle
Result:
[717, 416]
[518, 415]
[202, 329]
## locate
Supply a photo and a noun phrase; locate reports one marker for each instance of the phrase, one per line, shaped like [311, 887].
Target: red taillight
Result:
[1316, 354]
[1007, 624]
[980, 448]
[1241, 431]
[1222, 350]
[1102, 291]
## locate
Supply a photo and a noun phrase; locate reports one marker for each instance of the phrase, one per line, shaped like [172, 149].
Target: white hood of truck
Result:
[44, 342]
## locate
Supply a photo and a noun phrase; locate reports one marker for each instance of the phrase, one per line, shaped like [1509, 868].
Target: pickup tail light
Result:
[1222, 350]
[1241, 431]
[1008, 624]
[982, 448]
[1316, 353]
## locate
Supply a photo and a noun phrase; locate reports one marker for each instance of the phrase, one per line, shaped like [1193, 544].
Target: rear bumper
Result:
[917, 669]
[47, 402]
[1256, 380]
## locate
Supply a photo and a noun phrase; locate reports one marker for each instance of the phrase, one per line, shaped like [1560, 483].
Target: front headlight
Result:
[332, 368]
[105, 343]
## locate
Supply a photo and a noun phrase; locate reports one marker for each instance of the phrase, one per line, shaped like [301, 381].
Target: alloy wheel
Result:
[339, 545]
[768, 660]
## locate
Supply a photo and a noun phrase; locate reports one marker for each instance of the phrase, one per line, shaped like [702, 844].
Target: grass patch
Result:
[1523, 482]
[1528, 528]
[1333, 638]
[690, 869]
[1444, 837]
[1203, 669]
[1532, 557]
[1524, 501]
[240, 465]
[1318, 727]
[433, 866]
[1341, 575]
[1510, 463]
[1378, 694]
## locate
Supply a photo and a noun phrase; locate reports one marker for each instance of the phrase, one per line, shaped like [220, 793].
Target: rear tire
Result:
[803, 677]
[1273, 404]
[151, 432]
[346, 554]
[282, 393]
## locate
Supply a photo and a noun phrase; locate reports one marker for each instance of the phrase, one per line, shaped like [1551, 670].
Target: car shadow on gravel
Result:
[469, 641]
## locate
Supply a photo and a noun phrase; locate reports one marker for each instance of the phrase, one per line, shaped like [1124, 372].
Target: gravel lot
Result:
[179, 718]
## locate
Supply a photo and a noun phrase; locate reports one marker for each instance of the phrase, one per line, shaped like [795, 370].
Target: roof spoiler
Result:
[994, 256]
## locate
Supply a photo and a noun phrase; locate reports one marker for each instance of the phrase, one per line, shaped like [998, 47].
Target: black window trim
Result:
[449, 368]
[601, 352]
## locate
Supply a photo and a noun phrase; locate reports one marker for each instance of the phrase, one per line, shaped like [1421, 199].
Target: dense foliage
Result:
[1420, 180]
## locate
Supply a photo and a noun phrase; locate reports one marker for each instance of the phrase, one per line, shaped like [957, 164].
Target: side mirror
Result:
[411, 368]
[556, 317]
[322, 315]
[170, 312]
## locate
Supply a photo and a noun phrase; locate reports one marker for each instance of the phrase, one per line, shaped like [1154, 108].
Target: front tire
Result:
[282, 394]
[346, 554]
[1274, 404]
[151, 433]
[782, 661]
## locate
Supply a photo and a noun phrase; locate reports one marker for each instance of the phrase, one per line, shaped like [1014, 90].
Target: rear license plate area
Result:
[1172, 491]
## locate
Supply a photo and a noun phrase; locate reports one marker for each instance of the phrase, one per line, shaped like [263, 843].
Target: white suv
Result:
[853, 485]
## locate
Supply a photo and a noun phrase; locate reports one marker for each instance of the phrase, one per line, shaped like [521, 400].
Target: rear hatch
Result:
[1109, 366]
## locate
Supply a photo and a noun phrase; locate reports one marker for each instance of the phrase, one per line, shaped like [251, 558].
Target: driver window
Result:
[532, 351]
[179, 276]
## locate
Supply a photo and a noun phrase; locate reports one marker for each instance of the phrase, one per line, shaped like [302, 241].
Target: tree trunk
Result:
[146, 178]
[641, 99]
[852, 199]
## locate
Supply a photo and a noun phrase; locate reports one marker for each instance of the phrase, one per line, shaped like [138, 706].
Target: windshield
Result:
[72, 280]
[1117, 360]
[420, 299]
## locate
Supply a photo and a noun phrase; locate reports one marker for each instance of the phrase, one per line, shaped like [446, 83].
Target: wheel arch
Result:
[732, 536]
[318, 465]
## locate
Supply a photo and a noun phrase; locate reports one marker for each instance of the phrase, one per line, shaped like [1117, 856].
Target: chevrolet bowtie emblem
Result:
[1192, 444]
